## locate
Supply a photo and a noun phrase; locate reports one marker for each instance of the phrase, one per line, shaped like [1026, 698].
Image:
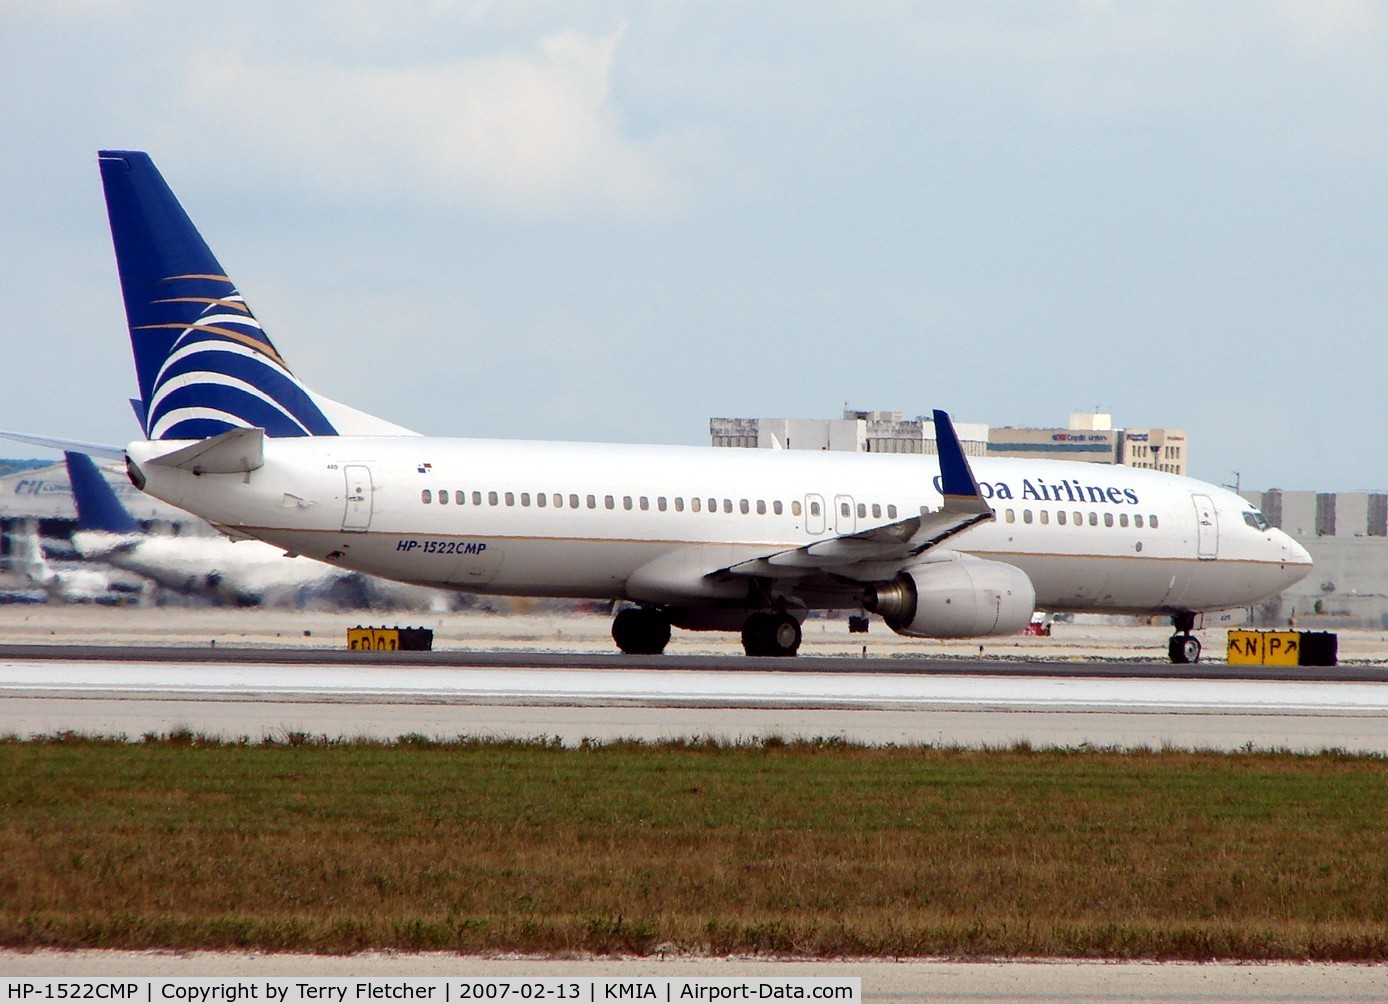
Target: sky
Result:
[613, 221]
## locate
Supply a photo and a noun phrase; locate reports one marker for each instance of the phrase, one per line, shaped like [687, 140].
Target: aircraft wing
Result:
[964, 507]
[68, 445]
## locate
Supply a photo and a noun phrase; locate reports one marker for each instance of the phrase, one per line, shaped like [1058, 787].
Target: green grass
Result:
[818, 848]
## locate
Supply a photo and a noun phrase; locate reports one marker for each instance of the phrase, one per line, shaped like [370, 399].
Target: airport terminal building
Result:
[1090, 437]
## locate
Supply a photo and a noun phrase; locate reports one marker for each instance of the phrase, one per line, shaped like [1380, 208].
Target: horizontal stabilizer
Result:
[235, 451]
[68, 445]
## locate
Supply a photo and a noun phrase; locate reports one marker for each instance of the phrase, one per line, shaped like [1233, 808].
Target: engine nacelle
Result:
[961, 597]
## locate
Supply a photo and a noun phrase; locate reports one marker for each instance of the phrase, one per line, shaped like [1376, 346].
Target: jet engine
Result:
[960, 597]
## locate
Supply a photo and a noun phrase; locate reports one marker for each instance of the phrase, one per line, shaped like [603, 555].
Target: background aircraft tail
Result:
[98, 508]
[205, 365]
[26, 554]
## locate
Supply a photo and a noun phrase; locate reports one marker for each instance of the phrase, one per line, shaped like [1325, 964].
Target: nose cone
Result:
[1296, 560]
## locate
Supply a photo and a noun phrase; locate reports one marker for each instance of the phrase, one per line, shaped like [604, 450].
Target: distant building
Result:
[1347, 536]
[856, 432]
[1090, 437]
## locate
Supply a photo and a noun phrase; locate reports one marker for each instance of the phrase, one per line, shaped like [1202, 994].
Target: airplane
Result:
[698, 538]
[246, 573]
[65, 583]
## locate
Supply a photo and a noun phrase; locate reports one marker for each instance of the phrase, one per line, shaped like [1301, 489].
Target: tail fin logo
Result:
[221, 371]
[203, 363]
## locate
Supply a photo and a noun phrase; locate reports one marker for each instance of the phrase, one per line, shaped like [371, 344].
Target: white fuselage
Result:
[649, 523]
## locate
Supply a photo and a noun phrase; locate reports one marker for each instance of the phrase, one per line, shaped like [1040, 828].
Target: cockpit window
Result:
[1256, 520]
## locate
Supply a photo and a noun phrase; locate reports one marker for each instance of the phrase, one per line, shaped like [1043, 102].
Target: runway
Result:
[254, 693]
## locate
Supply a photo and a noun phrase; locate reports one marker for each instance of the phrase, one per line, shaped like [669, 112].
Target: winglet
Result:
[958, 484]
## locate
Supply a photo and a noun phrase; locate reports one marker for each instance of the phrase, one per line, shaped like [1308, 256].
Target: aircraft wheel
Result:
[1184, 649]
[641, 631]
[770, 634]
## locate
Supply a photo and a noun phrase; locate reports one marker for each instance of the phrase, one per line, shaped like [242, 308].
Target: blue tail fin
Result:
[97, 505]
[203, 362]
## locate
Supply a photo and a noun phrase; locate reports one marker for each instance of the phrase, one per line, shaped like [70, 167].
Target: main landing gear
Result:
[770, 634]
[1184, 647]
[641, 631]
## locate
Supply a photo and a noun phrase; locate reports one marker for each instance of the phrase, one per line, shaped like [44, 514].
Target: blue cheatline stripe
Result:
[233, 401]
[263, 375]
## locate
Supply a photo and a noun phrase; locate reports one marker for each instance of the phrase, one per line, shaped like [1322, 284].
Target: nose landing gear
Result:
[1183, 648]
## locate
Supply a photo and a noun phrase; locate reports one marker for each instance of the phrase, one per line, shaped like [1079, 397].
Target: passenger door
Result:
[1206, 527]
[356, 514]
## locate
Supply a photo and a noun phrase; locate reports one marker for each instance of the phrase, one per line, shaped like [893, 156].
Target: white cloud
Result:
[530, 132]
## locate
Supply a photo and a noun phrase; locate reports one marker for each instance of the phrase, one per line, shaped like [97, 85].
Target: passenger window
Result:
[609, 501]
[761, 507]
[743, 507]
[1079, 519]
[876, 510]
[541, 500]
[626, 502]
[476, 498]
[1026, 515]
[443, 496]
[1122, 519]
[592, 501]
[573, 501]
[814, 508]
[558, 501]
[795, 509]
[493, 498]
[660, 502]
[679, 503]
[1093, 519]
[1137, 521]
[891, 512]
[459, 498]
[525, 498]
[510, 498]
[695, 503]
[1108, 519]
[645, 503]
[1045, 517]
[844, 511]
[712, 505]
[1010, 515]
[1060, 517]
[862, 510]
[728, 505]
[1152, 521]
[777, 508]
[426, 496]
